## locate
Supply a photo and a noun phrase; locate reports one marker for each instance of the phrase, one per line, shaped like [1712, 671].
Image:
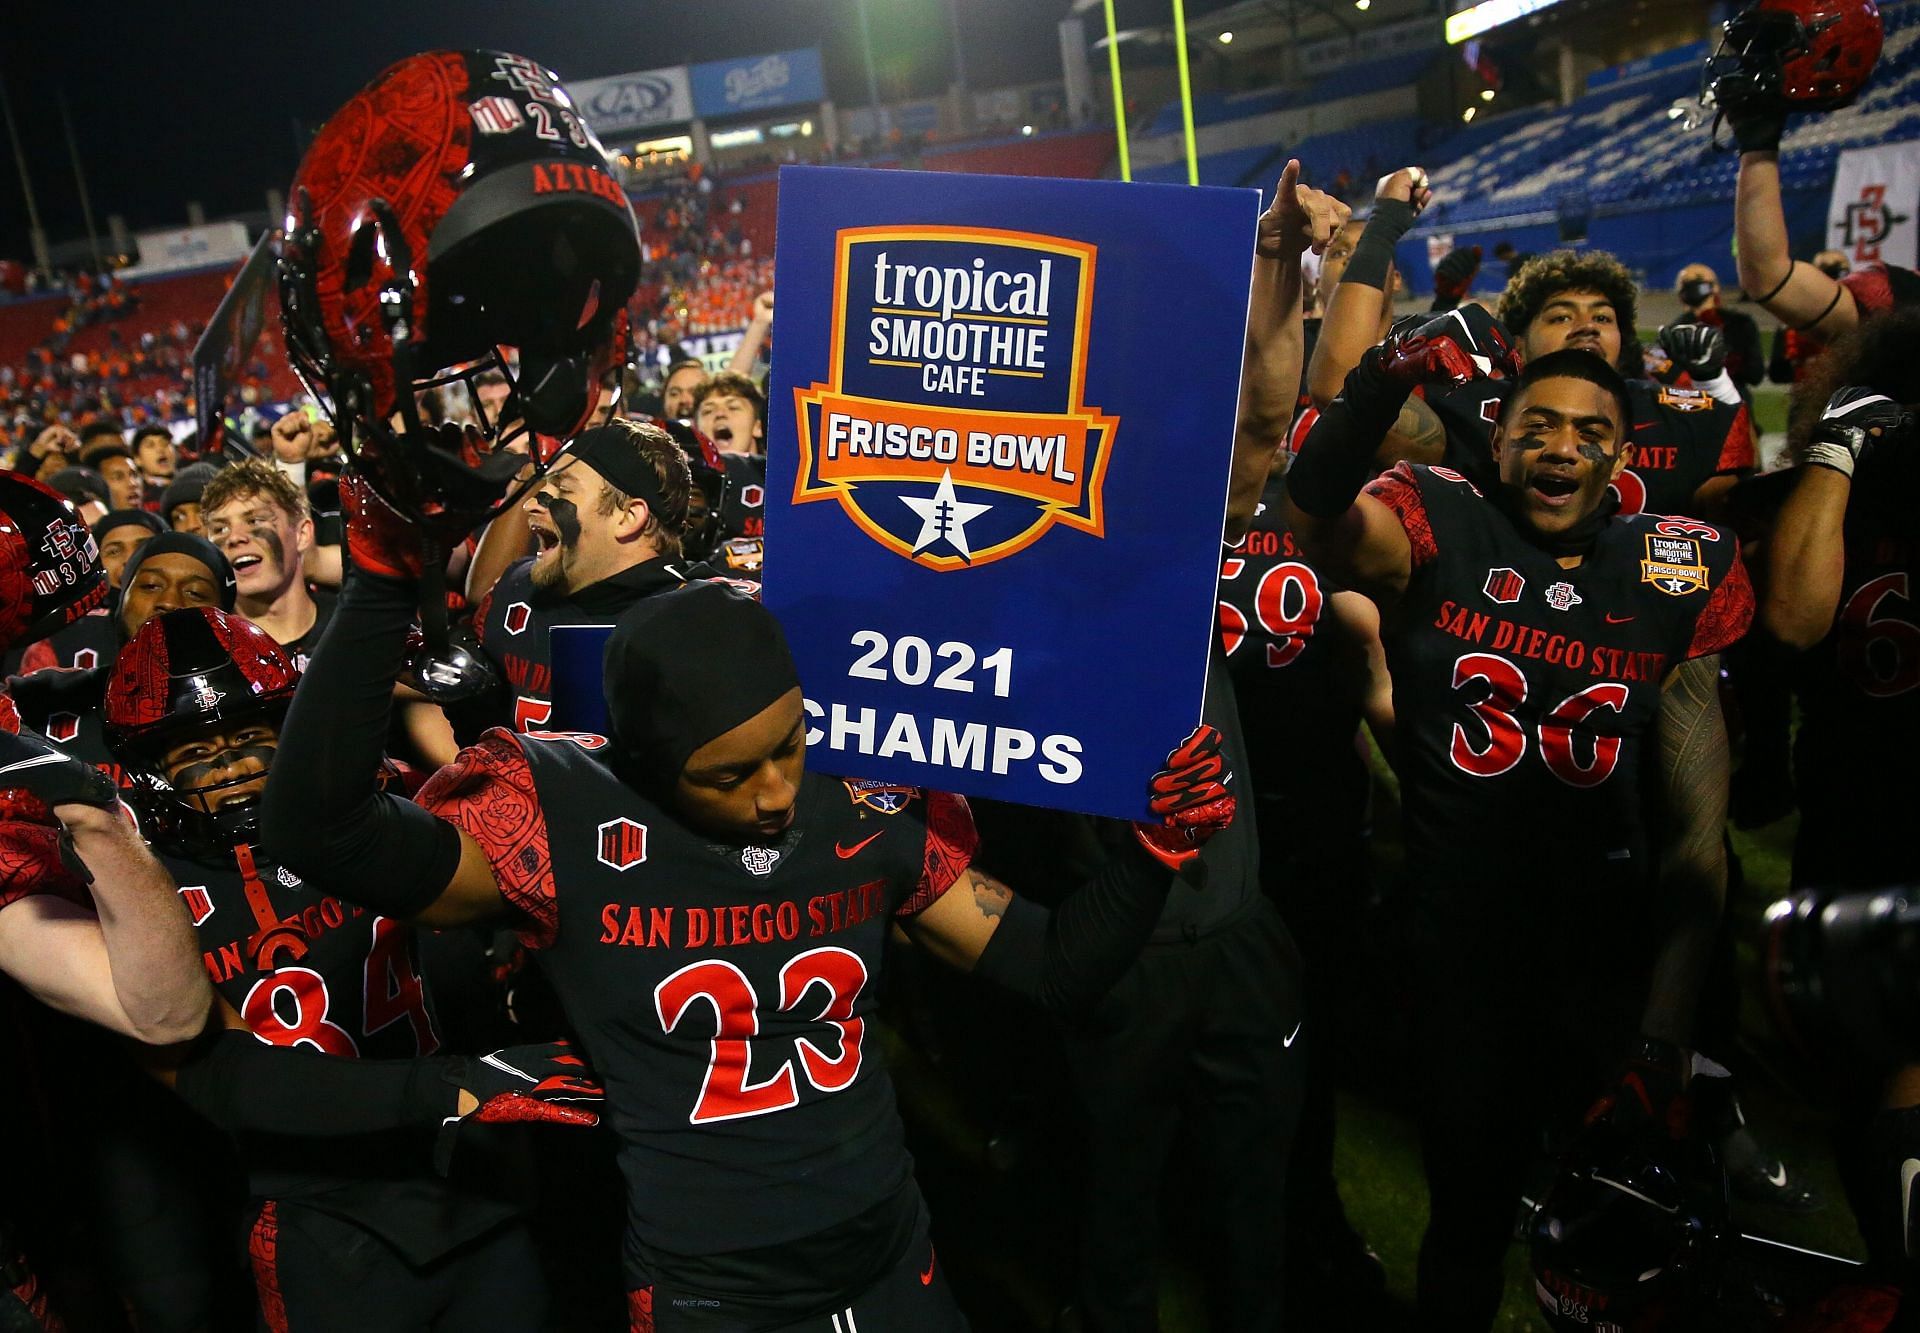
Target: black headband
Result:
[610, 450]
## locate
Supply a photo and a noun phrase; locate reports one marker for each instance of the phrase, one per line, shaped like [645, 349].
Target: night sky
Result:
[214, 100]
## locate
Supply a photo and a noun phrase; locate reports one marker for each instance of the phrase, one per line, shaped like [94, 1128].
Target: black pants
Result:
[912, 1295]
[1208, 1031]
[316, 1273]
[1521, 1019]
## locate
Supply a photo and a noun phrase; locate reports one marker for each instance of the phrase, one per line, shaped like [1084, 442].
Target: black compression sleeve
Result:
[324, 816]
[1069, 958]
[1373, 252]
[243, 1084]
[1337, 457]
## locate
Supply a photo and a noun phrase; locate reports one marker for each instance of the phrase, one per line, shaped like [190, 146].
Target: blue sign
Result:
[757, 83]
[1000, 430]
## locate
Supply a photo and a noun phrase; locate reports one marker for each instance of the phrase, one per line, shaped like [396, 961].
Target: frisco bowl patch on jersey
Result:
[952, 428]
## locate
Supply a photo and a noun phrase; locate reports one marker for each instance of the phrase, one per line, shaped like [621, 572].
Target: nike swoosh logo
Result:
[1778, 1176]
[1908, 1170]
[848, 853]
[34, 762]
[926, 1278]
[1296, 1032]
[1612, 619]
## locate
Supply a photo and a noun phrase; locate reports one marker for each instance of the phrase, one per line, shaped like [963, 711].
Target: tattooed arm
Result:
[1066, 959]
[1692, 737]
[1417, 437]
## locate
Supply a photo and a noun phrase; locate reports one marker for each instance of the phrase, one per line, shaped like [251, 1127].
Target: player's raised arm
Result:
[1755, 83]
[1356, 535]
[1300, 218]
[1806, 552]
[132, 965]
[1360, 301]
[324, 814]
[1069, 958]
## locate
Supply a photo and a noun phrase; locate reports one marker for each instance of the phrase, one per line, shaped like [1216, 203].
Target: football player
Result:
[364, 1237]
[89, 922]
[767, 1180]
[1207, 1027]
[102, 938]
[1782, 57]
[1689, 446]
[606, 523]
[1562, 760]
[1843, 558]
[169, 571]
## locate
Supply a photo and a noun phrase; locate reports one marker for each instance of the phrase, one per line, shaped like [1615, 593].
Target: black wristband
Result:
[1373, 252]
[1337, 458]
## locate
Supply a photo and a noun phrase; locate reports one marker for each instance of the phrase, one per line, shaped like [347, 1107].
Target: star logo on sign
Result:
[944, 518]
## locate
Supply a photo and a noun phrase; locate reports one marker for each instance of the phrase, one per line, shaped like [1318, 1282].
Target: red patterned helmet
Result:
[50, 572]
[456, 213]
[187, 672]
[1807, 55]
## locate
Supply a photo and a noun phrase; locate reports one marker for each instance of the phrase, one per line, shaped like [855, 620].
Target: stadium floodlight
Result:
[1468, 113]
[1363, 5]
[1226, 39]
[1486, 94]
[1476, 19]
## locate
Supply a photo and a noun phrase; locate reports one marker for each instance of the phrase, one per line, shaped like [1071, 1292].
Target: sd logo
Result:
[952, 428]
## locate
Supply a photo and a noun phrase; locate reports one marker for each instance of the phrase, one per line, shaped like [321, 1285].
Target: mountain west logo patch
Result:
[1673, 565]
[953, 428]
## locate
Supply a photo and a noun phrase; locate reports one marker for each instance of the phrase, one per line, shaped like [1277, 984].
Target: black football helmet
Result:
[50, 573]
[185, 672]
[456, 216]
[1632, 1234]
[1842, 974]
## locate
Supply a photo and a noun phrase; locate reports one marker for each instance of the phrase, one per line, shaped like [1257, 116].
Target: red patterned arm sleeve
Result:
[1399, 491]
[488, 792]
[1736, 451]
[31, 862]
[1724, 620]
[951, 843]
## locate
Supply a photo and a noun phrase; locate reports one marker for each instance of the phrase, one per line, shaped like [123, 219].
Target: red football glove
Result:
[541, 1084]
[379, 540]
[1190, 796]
[1458, 347]
[1648, 1089]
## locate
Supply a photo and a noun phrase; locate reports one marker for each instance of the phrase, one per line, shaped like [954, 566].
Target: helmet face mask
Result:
[456, 217]
[191, 673]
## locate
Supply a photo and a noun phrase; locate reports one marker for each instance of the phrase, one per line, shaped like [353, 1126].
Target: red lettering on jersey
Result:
[830, 912]
[645, 927]
[1458, 621]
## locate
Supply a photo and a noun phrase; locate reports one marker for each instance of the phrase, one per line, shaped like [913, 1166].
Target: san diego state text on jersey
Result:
[302, 969]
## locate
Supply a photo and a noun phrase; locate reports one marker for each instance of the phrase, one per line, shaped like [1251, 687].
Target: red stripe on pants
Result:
[263, 1248]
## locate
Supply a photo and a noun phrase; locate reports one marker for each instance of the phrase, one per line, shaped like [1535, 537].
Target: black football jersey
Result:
[514, 619]
[1682, 438]
[303, 969]
[309, 970]
[301, 649]
[723, 993]
[1854, 759]
[1525, 694]
[743, 512]
[1299, 706]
